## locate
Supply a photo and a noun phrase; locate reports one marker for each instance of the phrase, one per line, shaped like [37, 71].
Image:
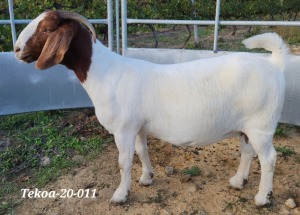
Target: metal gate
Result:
[24, 89]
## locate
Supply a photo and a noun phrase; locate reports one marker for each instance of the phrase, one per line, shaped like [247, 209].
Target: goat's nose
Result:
[17, 49]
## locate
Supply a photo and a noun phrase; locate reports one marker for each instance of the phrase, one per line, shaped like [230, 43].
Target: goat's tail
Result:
[271, 42]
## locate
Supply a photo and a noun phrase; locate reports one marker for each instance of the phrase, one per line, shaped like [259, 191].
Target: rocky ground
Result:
[174, 192]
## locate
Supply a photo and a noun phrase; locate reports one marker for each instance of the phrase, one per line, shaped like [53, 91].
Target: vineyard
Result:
[148, 9]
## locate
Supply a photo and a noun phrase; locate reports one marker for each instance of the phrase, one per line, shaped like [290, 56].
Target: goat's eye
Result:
[46, 30]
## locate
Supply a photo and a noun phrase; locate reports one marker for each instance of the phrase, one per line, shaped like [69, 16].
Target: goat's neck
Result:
[78, 56]
[84, 56]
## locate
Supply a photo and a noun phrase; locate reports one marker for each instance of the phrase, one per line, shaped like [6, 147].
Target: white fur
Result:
[192, 104]
[27, 33]
[276, 45]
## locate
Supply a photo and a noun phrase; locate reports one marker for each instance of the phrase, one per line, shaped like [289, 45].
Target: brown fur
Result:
[57, 44]
[59, 41]
[246, 137]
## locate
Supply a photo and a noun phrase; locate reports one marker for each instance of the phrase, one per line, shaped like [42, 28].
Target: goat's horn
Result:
[75, 16]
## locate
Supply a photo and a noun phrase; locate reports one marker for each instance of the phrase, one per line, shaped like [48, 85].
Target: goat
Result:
[188, 104]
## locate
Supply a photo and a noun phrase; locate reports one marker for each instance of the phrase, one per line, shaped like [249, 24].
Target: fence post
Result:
[12, 21]
[196, 37]
[110, 23]
[217, 23]
[124, 25]
[117, 26]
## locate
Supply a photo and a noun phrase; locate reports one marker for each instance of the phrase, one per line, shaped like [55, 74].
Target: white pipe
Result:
[12, 21]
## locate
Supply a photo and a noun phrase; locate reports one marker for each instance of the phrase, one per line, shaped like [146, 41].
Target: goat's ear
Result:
[56, 46]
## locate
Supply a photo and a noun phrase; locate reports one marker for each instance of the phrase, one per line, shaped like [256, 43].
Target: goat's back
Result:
[194, 101]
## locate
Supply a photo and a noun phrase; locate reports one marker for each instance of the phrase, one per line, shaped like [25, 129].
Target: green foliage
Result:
[153, 9]
[205, 9]
[26, 138]
[253, 9]
[289, 34]
[31, 9]
[33, 135]
[286, 151]
[194, 171]
[281, 130]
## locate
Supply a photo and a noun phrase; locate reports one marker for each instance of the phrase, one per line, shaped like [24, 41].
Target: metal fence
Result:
[126, 21]
[23, 89]
[108, 21]
[217, 22]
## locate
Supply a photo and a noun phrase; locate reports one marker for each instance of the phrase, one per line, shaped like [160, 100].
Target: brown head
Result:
[57, 37]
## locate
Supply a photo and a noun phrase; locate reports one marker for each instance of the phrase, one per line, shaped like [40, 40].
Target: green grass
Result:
[26, 138]
[289, 34]
[286, 151]
[169, 38]
[194, 171]
[281, 130]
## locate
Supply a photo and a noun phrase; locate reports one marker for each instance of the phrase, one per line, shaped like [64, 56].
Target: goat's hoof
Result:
[119, 197]
[116, 203]
[146, 179]
[145, 183]
[237, 183]
[262, 201]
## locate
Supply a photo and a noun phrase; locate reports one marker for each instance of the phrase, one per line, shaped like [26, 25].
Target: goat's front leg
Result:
[125, 144]
[141, 149]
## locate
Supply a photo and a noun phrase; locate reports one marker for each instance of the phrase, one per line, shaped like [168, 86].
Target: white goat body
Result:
[193, 104]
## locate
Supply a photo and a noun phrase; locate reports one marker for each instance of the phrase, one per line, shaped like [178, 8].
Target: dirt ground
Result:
[207, 193]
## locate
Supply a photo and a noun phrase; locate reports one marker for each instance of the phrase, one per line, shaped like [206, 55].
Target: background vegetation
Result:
[153, 9]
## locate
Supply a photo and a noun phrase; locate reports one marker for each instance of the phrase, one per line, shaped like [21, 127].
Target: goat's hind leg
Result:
[247, 153]
[141, 149]
[262, 144]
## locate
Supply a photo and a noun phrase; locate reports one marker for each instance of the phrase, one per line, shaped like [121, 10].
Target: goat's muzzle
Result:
[23, 56]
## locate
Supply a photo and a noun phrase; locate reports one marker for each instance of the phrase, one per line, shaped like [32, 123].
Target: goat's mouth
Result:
[26, 58]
